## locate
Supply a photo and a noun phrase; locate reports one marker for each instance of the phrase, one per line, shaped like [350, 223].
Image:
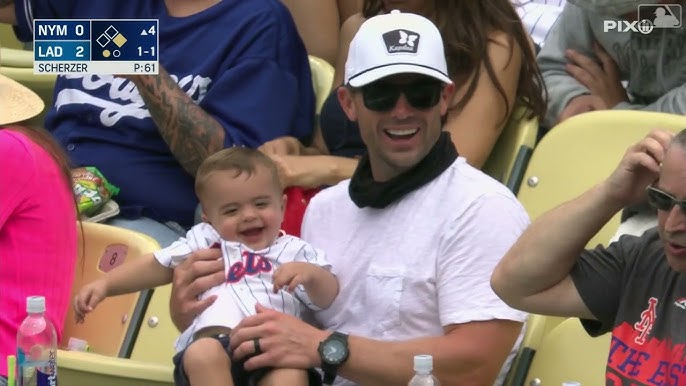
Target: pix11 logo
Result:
[650, 17]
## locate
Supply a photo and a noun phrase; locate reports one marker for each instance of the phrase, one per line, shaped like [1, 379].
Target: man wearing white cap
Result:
[414, 235]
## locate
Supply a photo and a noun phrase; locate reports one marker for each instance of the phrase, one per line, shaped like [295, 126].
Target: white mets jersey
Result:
[248, 277]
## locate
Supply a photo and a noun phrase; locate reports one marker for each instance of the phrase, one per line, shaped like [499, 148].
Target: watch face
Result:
[334, 351]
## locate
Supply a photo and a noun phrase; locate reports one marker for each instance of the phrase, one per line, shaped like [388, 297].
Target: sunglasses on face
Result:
[663, 201]
[383, 96]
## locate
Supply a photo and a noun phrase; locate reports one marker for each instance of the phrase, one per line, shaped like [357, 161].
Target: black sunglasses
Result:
[663, 201]
[383, 96]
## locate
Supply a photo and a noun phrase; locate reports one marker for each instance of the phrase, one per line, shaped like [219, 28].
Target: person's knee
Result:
[205, 353]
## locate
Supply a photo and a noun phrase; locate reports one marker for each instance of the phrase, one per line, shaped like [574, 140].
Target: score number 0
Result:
[79, 32]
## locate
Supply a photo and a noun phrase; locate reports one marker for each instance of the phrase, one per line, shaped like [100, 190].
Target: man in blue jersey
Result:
[231, 73]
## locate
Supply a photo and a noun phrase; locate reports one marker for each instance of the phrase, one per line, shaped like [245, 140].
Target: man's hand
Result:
[293, 274]
[201, 271]
[88, 298]
[582, 104]
[285, 341]
[298, 170]
[601, 78]
[639, 168]
[282, 146]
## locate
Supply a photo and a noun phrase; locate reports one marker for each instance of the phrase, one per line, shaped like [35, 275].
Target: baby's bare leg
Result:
[281, 377]
[207, 364]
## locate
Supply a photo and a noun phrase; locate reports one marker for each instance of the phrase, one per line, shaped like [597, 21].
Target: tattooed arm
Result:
[191, 133]
[7, 12]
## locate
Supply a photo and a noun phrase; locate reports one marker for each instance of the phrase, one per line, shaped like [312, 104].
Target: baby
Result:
[243, 206]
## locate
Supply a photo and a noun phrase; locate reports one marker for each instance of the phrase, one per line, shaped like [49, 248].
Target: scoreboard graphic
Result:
[117, 46]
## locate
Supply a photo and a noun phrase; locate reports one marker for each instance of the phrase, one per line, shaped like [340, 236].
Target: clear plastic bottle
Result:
[36, 347]
[423, 367]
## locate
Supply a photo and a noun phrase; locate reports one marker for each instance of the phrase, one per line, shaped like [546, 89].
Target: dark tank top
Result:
[341, 135]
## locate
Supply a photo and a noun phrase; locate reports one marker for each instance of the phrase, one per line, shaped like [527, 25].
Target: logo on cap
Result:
[401, 41]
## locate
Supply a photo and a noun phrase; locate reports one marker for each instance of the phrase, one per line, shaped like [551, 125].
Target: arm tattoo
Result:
[191, 133]
[6, 2]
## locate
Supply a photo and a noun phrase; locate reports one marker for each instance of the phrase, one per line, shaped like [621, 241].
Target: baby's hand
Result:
[293, 274]
[88, 297]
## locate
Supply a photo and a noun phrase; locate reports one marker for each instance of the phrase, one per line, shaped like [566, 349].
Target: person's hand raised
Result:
[639, 168]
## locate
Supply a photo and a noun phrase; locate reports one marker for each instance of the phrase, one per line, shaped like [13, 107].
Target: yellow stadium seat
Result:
[537, 326]
[582, 151]
[7, 37]
[155, 341]
[111, 329]
[16, 57]
[511, 152]
[88, 369]
[568, 353]
[322, 77]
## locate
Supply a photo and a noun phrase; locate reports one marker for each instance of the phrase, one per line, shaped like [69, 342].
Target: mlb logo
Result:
[661, 15]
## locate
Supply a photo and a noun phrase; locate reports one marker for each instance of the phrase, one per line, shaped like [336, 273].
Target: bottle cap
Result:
[35, 304]
[423, 363]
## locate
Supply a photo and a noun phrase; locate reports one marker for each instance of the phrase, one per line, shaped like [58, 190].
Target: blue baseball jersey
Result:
[243, 62]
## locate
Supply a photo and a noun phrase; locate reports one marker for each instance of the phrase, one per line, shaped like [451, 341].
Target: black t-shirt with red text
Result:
[632, 291]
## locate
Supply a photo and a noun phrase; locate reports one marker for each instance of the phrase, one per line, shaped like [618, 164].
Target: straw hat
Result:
[17, 102]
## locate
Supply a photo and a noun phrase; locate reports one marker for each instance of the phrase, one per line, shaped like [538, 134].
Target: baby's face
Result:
[244, 208]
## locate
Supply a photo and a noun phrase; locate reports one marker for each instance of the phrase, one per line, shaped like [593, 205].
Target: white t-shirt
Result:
[248, 277]
[423, 262]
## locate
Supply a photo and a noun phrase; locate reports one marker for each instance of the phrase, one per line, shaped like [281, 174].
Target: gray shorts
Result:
[3, 381]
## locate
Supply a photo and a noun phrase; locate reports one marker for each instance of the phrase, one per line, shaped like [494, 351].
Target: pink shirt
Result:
[38, 237]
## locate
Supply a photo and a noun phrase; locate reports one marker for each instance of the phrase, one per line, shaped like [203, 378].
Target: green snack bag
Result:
[92, 190]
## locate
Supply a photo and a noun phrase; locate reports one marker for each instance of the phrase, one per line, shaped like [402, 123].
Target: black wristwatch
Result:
[333, 351]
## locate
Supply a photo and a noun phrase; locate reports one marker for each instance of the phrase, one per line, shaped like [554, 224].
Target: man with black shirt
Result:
[636, 286]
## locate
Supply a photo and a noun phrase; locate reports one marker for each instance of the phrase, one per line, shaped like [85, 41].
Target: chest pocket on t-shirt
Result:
[384, 289]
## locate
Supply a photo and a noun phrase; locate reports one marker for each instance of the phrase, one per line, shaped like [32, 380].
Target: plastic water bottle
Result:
[423, 367]
[36, 347]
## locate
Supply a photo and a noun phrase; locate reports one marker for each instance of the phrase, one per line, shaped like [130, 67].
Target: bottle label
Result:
[45, 372]
[52, 366]
[43, 379]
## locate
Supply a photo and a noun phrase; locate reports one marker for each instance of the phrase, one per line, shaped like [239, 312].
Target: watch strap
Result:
[329, 373]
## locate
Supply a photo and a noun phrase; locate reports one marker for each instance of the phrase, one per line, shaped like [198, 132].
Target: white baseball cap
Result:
[395, 43]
